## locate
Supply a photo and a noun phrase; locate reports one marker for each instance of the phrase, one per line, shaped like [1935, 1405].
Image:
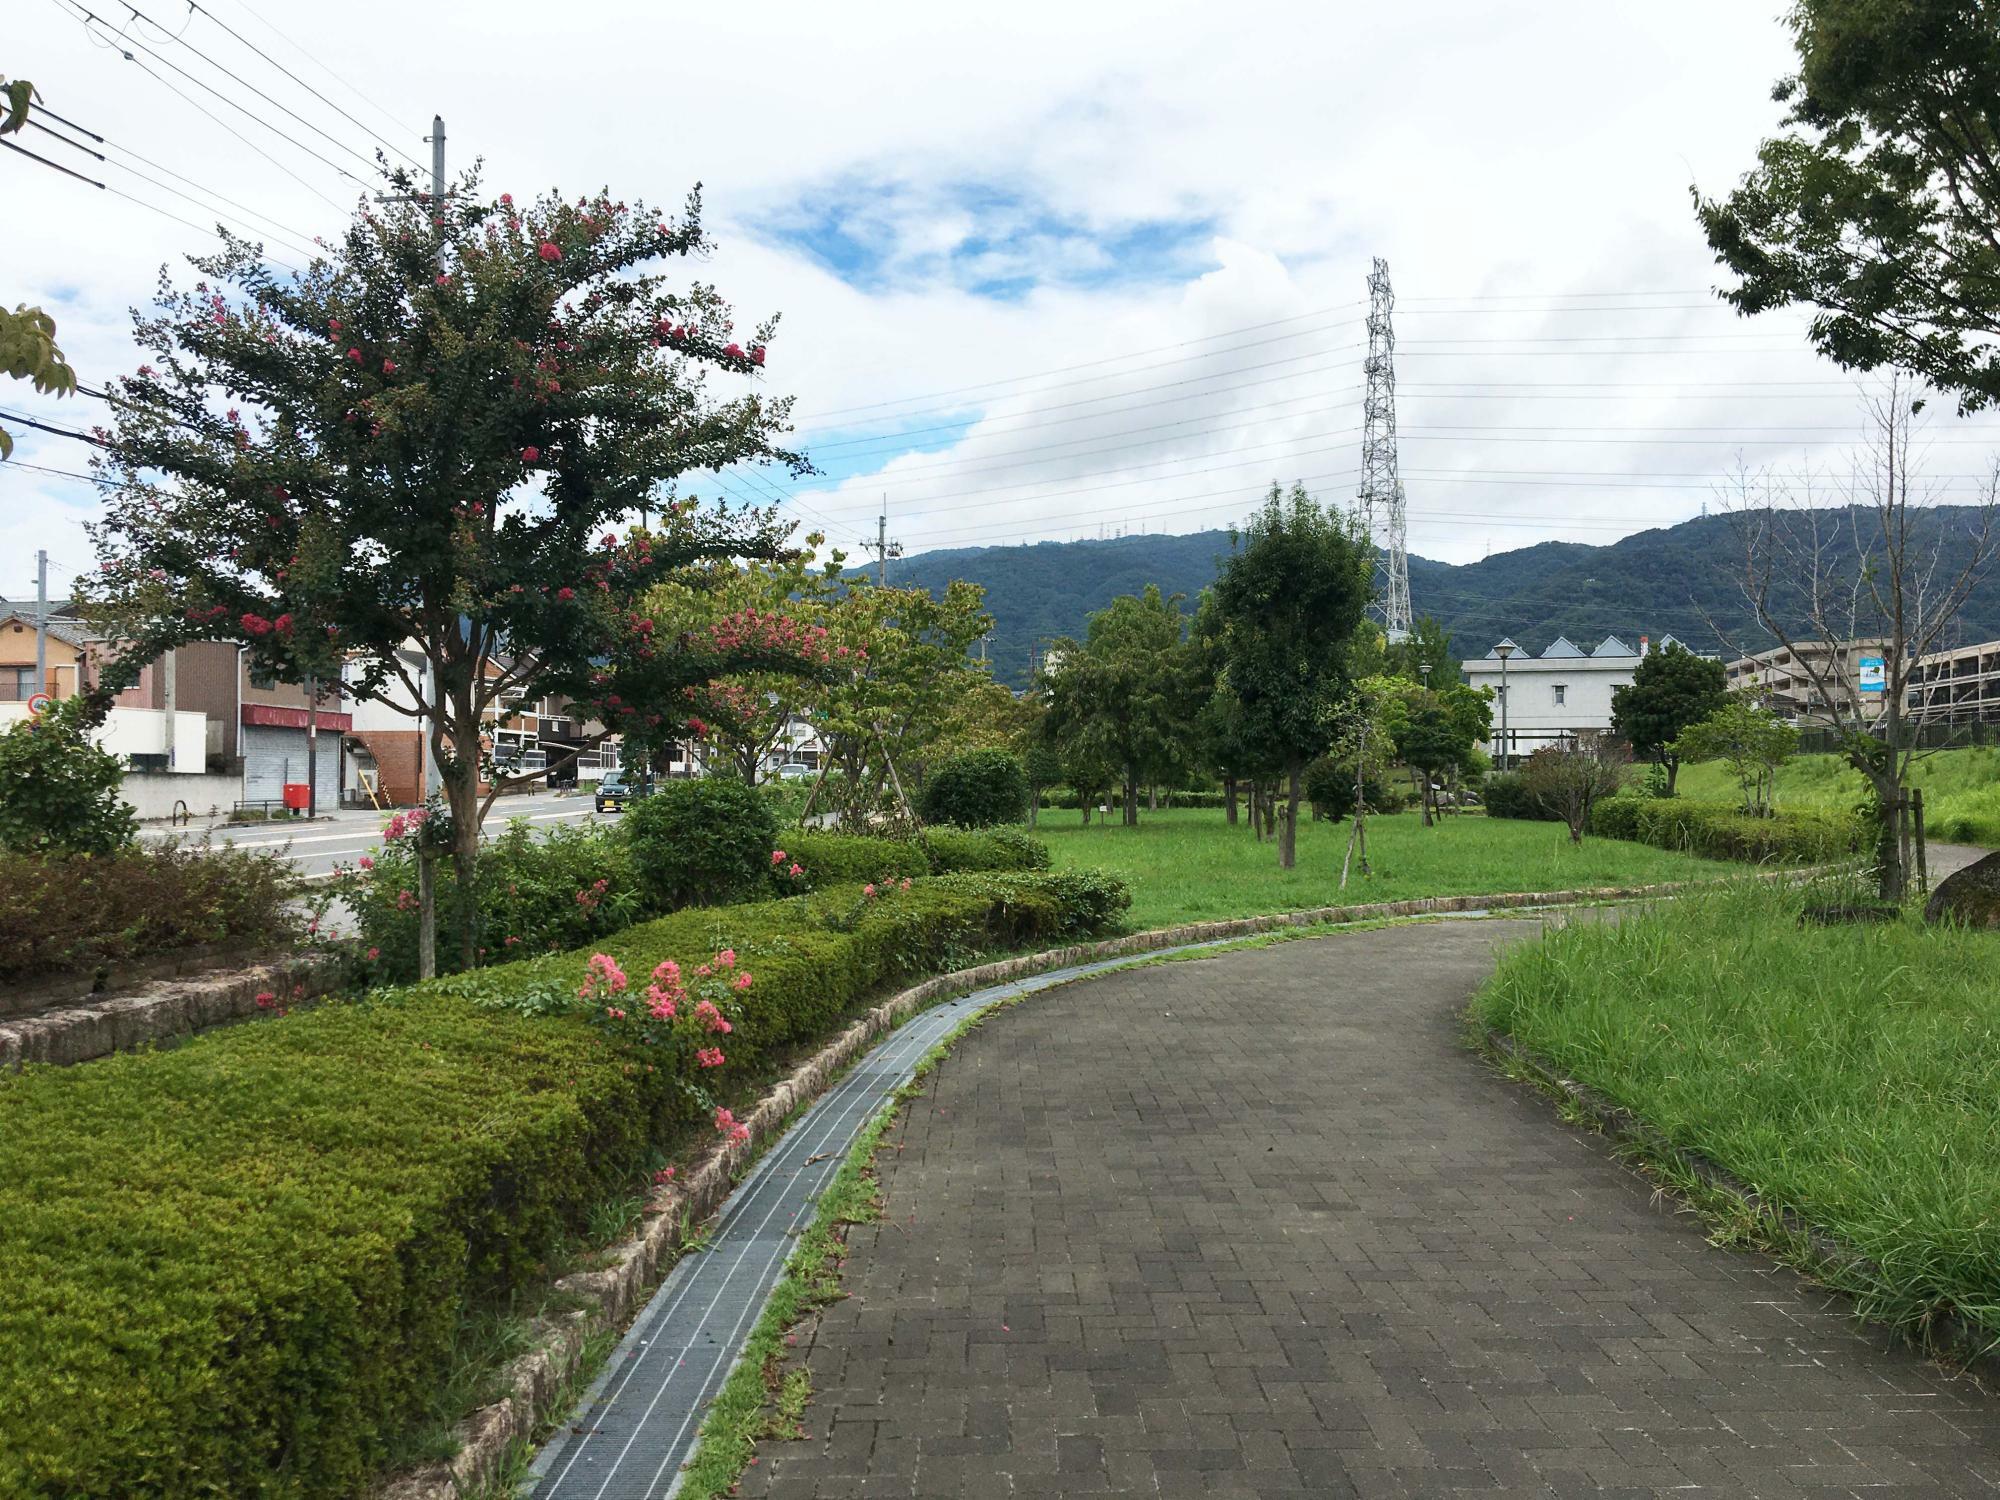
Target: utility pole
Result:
[42, 622]
[882, 547]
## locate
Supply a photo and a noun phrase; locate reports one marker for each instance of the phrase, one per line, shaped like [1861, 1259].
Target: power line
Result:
[28, 421]
[394, 123]
[242, 82]
[90, 18]
[245, 41]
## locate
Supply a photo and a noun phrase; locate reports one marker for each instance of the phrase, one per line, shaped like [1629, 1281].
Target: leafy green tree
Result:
[1042, 764]
[1291, 596]
[1878, 204]
[434, 437]
[1752, 741]
[58, 790]
[1428, 645]
[1127, 693]
[1671, 689]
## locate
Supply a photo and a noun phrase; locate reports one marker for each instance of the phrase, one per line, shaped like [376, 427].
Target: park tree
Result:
[1671, 689]
[1424, 655]
[901, 669]
[1877, 206]
[1042, 765]
[1823, 578]
[437, 435]
[1752, 741]
[1127, 694]
[1290, 597]
[1573, 775]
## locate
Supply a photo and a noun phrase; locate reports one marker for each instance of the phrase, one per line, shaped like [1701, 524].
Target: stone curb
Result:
[158, 1010]
[1951, 1337]
[636, 1263]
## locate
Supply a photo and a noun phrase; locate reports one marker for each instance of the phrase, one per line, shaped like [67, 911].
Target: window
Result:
[1561, 691]
[17, 684]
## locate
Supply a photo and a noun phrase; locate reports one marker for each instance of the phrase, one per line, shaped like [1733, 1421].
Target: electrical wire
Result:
[27, 421]
[393, 122]
[210, 15]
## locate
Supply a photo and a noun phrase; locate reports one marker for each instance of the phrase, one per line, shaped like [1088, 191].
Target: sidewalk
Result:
[1260, 1226]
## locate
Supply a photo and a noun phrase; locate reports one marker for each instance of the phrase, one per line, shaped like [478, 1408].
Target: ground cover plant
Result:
[1846, 1073]
[1961, 789]
[238, 1266]
[1193, 867]
[80, 913]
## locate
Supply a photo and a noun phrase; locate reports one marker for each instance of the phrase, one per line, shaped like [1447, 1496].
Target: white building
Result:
[1554, 695]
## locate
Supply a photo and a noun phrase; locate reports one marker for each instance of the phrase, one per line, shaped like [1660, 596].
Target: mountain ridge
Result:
[1681, 580]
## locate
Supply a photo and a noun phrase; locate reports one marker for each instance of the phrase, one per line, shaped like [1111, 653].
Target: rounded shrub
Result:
[977, 790]
[700, 843]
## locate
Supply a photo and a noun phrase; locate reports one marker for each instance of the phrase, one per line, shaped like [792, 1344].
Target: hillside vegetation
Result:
[1678, 580]
[1961, 789]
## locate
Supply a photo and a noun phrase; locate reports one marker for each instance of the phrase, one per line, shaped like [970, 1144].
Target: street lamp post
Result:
[1424, 667]
[1504, 650]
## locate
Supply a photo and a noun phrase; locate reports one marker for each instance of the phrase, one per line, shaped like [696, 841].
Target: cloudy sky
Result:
[1045, 270]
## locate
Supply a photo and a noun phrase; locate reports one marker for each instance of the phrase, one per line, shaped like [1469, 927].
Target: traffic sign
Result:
[38, 704]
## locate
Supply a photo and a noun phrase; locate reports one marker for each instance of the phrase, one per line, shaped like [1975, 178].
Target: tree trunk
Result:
[427, 915]
[461, 790]
[1034, 806]
[1424, 795]
[1131, 798]
[1256, 812]
[1673, 765]
[1153, 798]
[1288, 832]
[1891, 879]
[1229, 793]
[1270, 809]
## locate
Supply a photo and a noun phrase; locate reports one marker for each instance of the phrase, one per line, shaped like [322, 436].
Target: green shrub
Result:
[851, 858]
[83, 913]
[1507, 796]
[534, 893]
[1329, 787]
[58, 791]
[977, 789]
[236, 1267]
[1720, 831]
[955, 849]
[700, 843]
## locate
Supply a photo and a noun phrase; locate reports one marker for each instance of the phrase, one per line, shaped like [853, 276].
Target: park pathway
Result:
[1260, 1225]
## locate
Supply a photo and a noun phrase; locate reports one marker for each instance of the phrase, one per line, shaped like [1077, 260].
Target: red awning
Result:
[294, 718]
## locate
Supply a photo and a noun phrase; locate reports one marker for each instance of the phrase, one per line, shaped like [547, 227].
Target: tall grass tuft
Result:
[1850, 1074]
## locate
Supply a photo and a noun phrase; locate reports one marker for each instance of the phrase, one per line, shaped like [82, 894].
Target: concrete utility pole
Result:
[41, 622]
[882, 547]
[168, 699]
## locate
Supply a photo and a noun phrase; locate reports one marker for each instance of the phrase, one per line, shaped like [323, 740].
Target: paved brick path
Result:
[1258, 1225]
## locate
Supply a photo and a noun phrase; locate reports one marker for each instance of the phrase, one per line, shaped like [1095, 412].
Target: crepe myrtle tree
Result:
[433, 438]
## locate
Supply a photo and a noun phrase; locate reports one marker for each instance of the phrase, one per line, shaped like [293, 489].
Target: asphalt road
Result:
[315, 848]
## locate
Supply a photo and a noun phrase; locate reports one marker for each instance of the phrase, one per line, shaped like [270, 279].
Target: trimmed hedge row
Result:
[235, 1268]
[1066, 798]
[853, 858]
[1720, 831]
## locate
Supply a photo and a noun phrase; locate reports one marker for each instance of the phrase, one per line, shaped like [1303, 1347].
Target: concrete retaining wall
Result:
[152, 794]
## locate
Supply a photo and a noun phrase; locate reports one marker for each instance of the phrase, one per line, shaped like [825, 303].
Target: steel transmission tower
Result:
[1381, 491]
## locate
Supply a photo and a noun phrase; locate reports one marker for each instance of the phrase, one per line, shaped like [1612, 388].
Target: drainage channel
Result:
[637, 1423]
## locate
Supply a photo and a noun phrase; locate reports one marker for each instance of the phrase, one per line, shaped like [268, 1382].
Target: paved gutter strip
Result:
[637, 1423]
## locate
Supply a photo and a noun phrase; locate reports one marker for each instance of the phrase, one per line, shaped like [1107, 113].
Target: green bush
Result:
[58, 791]
[1329, 787]
[81, 912]
[977, 789]
[236, 1267]
[534, 893]
[955, 849]
[1507, 796]
[1720, 831]
[700, 843]
[850, 858]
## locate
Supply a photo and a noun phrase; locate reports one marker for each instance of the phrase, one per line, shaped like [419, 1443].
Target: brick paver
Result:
[1260, 1225]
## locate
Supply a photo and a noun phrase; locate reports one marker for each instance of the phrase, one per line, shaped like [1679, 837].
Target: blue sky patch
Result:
[984, 238]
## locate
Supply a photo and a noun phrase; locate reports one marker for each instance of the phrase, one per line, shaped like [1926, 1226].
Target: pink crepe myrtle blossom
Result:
[710, 1057]
[777, 856]
[730, 1126]
[265, 999]
[601, 975]
[548, 250]
[743, 980]
[373, 954]
[726, 959]
[664, 1176]
[796, 871]
[405, 901]
[868, 890]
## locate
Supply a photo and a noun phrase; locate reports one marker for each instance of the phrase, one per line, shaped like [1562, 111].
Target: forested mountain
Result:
[1680, 580]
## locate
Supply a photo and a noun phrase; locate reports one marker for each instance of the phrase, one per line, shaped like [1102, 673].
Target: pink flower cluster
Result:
[730, 1126]
[602, 976]
[403, 823]
[796, 871]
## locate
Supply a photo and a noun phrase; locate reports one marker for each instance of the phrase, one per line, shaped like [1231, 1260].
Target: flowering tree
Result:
[434, 437]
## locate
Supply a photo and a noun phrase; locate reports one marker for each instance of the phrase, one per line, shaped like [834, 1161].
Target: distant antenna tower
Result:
[1381, 491]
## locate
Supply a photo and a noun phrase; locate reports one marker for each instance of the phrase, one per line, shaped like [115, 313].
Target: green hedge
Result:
[1506, 795]
[235, 1268]
[851, 858]
[1720, 831]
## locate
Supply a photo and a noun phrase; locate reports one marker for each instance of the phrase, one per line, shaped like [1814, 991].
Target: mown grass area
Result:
[1191, 866]
[1961, 789]
[1848, 1074]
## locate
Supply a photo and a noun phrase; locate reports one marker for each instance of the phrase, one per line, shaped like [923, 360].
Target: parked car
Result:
[795, 771]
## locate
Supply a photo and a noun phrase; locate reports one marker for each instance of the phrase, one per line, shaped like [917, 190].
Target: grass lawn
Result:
[1850, 1073]
[1961, 789]
[1191, 866]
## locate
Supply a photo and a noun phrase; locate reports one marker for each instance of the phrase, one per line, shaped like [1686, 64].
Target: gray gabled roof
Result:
[1494, 654]
[69, 632]
[1561, 646]
[1612, 646]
